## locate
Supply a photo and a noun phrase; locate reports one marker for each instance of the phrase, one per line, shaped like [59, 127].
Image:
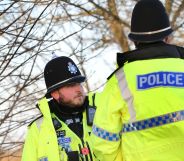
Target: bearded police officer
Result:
[142, 110]
[62, 132]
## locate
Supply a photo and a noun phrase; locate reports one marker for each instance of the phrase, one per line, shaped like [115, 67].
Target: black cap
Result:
[61, 71]
[149, 22]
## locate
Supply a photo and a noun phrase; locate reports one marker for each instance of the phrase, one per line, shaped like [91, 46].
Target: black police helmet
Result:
[149, 22]
[61, 71]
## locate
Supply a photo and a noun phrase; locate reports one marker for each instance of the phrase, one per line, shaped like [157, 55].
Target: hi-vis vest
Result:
[142, 112]
[42, 143]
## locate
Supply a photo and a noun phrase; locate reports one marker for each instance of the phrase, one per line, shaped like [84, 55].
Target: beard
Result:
[76, 101]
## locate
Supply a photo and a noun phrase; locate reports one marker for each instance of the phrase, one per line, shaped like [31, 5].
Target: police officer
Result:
[62, 132]
[142, 110]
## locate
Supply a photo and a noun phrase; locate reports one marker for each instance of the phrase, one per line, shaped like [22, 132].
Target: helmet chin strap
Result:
[59, 99]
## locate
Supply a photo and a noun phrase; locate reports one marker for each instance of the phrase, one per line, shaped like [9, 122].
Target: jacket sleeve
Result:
[30, 145]
[106, 134]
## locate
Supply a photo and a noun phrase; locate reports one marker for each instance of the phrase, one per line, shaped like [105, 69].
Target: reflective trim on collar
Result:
[154, 122]
[126, 93]
[105, 134]
[151, 32]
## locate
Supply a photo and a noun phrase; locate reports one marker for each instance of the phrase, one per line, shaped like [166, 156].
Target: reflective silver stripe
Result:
[39, 122]
[55, 85]
[151, 32]
[126, 93]
[43, 159]
[101, 133]
[49, 99]
[62, 82]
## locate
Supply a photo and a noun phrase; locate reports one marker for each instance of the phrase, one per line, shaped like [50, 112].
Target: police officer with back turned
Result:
[62, 132]
[142, 110]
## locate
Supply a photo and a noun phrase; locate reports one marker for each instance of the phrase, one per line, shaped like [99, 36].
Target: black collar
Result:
[153, 51]
[64, 112]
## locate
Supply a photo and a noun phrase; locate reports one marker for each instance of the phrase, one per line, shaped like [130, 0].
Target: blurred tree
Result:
[86, 30]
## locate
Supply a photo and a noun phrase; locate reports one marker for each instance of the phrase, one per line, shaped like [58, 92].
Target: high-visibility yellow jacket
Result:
[95, 99]
[42, 143]
[142, 110]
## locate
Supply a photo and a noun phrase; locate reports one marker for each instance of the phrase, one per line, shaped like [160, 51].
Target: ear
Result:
[55, 94]
[168, 39]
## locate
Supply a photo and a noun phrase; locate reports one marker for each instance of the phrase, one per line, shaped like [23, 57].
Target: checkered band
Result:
[105, 134]
[154, 122]
[43, 159]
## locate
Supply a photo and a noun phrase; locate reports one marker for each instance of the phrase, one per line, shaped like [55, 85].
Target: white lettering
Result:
[142, 81]
[179, 79]
[161, 78]
[164, 78]
[158, 79]
[151, 80]
[171, 78]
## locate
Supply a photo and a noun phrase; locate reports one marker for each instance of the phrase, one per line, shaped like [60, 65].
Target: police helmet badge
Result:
[72, 68]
